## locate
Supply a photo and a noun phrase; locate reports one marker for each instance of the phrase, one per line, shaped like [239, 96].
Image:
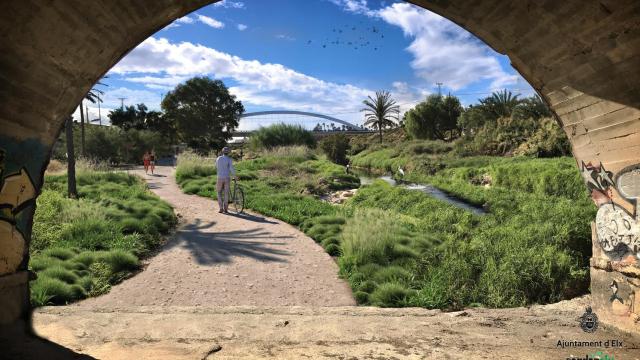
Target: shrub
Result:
[369, 237]
[281, 135]
[61, 274]
[50, 290]
[59, 253]
[335, 147]
[367, 286]
[389, 294]
[119, 260]
[392, 274]
[333, 249]
[362, 298]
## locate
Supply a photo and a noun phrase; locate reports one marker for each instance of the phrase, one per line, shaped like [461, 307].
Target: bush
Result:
[335, 147]
[369, 237]
[362, 298]
[281, 135]
[389, 294]
[332, 249]
[119, 260]
[61, 274]
[54, 291]
[59, 253]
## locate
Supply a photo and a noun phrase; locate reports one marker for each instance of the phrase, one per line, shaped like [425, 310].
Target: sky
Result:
[322, 56]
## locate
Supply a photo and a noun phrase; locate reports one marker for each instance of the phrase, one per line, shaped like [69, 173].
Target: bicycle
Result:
[237, 197]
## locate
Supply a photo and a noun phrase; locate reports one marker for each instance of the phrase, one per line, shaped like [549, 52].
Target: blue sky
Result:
[322, 56]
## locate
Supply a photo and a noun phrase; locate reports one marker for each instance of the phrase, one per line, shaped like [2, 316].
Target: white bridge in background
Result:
[349, 126]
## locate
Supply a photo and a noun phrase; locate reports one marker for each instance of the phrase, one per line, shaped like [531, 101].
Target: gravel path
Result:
[219, 260]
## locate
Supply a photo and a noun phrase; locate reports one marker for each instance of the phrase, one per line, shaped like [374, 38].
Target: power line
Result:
[122, 99]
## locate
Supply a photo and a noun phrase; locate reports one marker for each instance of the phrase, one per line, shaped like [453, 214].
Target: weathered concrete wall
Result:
[582, 56]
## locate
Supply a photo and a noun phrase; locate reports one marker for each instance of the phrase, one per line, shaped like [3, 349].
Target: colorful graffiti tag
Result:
[16, 193]
[617, 225]
[19, 159]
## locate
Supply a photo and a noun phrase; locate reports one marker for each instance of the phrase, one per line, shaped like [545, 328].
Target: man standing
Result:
[225, 170]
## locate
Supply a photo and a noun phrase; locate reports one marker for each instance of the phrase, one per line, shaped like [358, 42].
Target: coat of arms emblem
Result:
[589, 321]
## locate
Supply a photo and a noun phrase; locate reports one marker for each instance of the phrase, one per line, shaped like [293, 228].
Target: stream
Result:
[368, 178]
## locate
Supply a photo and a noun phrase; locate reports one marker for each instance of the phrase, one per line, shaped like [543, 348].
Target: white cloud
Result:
[229, 4]
[185, 20]
[242, 27]
[158, 62]
[285, 37]
[355, 6]
[210, 21]
[442, 51]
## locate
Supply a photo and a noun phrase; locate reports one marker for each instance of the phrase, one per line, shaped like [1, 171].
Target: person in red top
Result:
[145, 161]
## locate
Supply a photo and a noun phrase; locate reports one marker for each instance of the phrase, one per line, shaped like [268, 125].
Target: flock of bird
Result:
[351, 36]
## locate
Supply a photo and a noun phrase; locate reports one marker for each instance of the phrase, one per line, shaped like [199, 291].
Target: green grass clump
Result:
[390, 294]
[115, 221]
[61, 274]
[60, 253]
[369, 237]
[333, 249]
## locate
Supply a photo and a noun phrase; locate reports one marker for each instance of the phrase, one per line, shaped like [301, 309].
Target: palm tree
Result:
[92, 96]
[381, 111]
[501, 103]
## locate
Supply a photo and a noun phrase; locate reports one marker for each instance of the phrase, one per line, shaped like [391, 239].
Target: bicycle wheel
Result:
[238, 199]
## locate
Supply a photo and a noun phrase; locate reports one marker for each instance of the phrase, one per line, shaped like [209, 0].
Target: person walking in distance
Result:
[145, 162]
[152, 161]
[225, 171]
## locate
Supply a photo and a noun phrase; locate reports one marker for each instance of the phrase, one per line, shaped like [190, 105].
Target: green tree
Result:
[432, 118]
[471, 119]
[381, 111]
[500, 104]
[335, 147]
[204, 112]
[532, 108]
[130, 117]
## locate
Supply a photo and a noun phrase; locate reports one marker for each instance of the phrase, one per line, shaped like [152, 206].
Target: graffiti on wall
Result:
[19, 161]
[617, 223]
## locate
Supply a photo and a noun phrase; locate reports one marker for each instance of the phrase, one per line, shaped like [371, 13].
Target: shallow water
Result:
[367, 179]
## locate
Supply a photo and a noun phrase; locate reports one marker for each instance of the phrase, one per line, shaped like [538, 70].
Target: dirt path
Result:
[218, 260]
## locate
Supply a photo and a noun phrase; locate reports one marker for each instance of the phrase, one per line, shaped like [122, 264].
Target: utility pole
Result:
[99, 113]
[439, 88]
[122, 99]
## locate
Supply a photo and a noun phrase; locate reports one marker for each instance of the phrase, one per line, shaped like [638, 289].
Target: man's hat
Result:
[225, 150]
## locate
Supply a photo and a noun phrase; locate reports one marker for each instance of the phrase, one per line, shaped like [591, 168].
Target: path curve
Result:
[221, 260]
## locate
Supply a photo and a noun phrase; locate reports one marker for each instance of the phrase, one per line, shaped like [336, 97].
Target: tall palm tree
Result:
[501, 103]
[381, 111]
[92, 96]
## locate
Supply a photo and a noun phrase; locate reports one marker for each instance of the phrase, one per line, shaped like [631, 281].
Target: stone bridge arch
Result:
[582, 56]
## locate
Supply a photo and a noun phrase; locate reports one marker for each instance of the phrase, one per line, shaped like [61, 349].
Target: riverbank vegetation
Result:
[399, 247]
[282, 182]
[80, 248]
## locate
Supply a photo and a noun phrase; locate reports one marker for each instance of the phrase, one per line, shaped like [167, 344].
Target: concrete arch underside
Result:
[582, 56]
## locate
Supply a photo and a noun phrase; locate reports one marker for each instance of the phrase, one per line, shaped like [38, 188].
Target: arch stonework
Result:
[582, 56]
